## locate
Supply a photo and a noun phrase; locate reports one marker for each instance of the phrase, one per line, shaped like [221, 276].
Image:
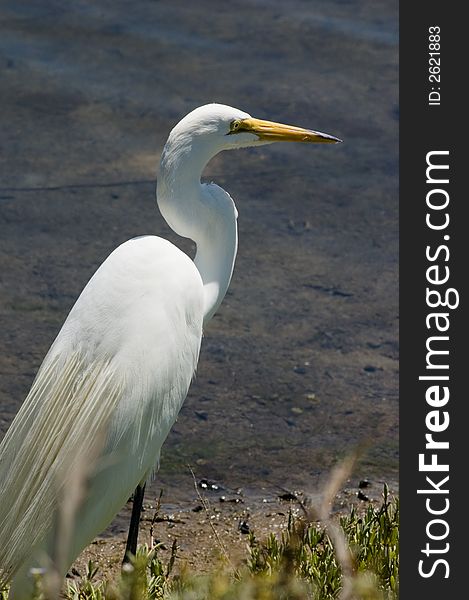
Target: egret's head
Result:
[225, 127]
[197, 138]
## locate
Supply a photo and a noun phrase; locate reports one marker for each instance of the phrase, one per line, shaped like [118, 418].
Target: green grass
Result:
[351, 557]
[369, 555]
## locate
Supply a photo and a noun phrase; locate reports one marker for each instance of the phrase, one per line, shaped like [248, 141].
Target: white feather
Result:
[112, 384]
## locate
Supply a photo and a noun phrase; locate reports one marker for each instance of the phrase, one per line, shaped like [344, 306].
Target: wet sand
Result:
[300, 365]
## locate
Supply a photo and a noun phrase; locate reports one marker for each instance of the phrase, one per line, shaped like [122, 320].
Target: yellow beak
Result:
[277, 132]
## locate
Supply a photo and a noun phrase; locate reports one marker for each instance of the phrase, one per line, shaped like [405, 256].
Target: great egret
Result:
[114, 380]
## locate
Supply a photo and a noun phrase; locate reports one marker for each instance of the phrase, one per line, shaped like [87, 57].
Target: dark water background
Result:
[300, 365]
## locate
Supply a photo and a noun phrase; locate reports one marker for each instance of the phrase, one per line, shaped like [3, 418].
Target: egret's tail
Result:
[44, 449]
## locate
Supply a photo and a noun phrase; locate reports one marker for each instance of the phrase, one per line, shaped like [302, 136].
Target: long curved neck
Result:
[204, 213]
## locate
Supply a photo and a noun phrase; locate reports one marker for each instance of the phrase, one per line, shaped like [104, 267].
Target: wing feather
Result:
[45, 446]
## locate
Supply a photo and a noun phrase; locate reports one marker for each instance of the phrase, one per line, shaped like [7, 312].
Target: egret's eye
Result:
[235, 125]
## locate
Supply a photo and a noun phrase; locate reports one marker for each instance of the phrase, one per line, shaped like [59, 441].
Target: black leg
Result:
[131, 546]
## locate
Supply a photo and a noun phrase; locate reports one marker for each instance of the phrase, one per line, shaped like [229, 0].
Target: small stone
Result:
[243, 527]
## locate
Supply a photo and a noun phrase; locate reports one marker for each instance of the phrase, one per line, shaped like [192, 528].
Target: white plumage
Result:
[114, 380]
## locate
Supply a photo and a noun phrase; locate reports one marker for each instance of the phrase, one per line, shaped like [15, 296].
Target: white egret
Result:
[114, 380]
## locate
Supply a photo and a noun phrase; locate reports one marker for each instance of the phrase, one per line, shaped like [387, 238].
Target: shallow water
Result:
[300, 365]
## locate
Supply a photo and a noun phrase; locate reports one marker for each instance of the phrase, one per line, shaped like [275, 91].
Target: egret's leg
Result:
[131, 546]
